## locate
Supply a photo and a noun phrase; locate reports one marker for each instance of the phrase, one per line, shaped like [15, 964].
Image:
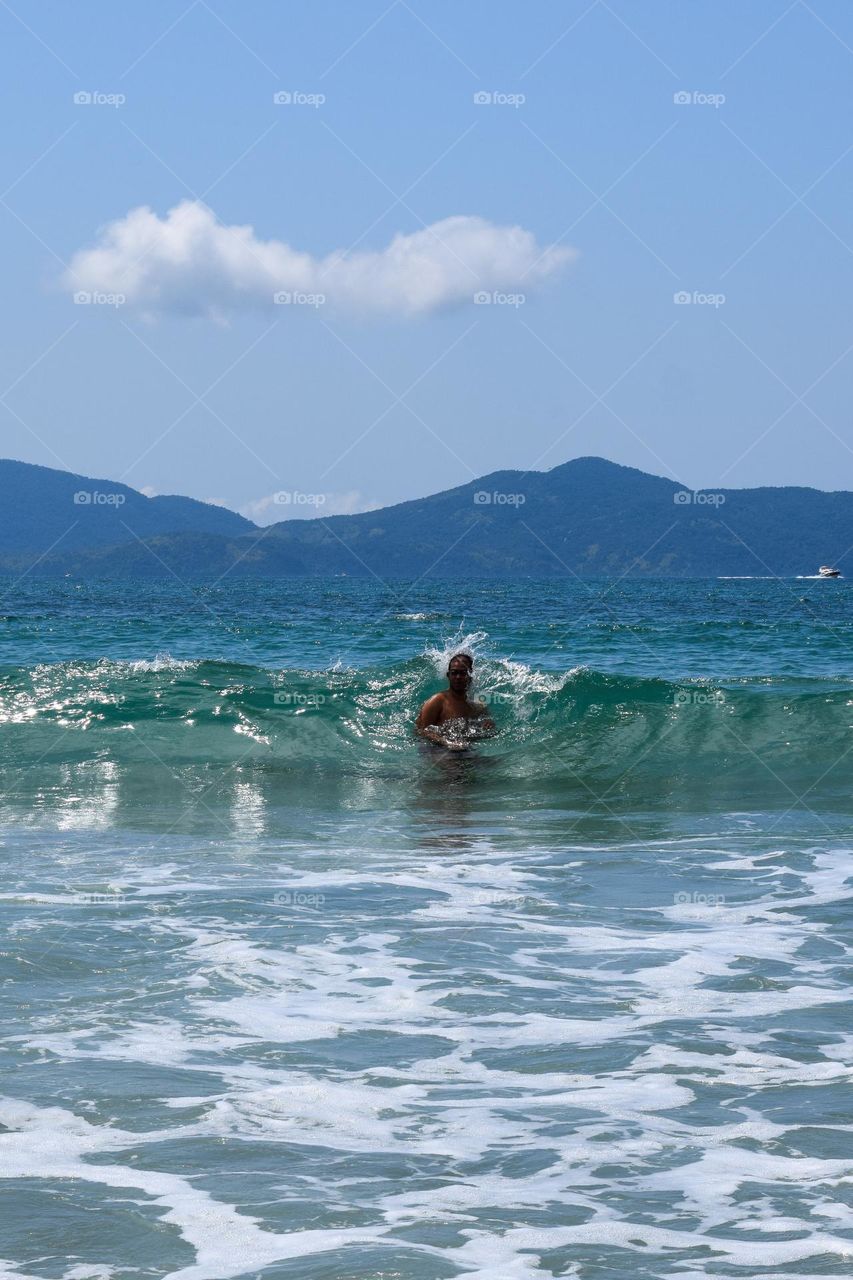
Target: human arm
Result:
[429, 718]
[429, 725]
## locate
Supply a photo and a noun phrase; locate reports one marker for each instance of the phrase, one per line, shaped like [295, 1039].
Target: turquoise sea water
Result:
[288, 994]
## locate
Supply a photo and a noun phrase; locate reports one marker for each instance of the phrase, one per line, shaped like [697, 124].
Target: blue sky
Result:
[383, 379]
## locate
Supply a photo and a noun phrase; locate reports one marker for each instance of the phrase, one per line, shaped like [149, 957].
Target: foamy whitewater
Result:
[289, 994]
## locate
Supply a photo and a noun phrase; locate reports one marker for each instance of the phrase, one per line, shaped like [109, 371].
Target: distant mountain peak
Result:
[585, 517]
[42, 507]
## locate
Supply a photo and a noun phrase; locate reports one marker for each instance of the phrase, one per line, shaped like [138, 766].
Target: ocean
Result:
[288, 994]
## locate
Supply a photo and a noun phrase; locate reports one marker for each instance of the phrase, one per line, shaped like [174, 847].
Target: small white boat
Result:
[826, 572]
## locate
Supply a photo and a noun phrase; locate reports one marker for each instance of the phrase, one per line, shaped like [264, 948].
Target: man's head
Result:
[460, 671]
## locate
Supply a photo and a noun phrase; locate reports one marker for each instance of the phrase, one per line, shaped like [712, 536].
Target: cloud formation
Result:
[292, 504]
[189, 263]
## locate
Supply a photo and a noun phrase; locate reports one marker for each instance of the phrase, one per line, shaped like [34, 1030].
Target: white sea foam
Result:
[469, 1014]
[51, 1143]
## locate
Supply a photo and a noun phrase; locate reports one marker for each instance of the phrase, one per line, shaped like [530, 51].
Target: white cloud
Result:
[349, 504]
[188, 262]
[296, 505]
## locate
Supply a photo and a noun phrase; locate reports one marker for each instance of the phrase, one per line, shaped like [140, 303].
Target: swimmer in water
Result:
[447, 718]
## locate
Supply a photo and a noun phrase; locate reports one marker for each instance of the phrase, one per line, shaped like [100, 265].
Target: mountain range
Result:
[587, 517]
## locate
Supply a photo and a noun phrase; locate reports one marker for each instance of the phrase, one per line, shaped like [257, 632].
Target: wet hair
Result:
[462, 657]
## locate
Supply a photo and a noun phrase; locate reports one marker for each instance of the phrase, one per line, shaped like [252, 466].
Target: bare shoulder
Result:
[431, 711]
[437, 700]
